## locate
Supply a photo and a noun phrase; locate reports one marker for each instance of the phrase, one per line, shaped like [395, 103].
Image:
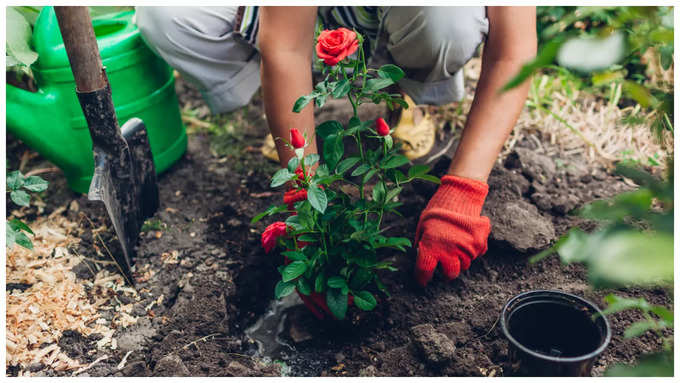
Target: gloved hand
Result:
[451, 230]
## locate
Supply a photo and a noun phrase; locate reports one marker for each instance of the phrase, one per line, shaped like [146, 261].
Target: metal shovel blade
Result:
[124, 174]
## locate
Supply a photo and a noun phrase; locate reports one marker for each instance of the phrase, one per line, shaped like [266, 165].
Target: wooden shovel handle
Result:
[81, 47]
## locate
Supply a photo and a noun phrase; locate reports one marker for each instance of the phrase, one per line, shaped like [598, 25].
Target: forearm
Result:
[282, 83]
[490, 120]
[510, 44]
[286, 40]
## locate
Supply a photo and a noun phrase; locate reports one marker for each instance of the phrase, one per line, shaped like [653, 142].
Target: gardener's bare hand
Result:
[451, 230]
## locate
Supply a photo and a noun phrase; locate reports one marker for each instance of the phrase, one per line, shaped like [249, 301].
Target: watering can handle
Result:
[81, 47]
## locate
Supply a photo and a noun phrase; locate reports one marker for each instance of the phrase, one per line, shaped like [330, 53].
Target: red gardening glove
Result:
[451, 230]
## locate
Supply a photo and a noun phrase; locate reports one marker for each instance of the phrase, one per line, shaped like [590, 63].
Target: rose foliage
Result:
[334, 243]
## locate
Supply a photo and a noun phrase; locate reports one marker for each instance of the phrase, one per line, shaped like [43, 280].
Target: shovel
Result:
[124, 174]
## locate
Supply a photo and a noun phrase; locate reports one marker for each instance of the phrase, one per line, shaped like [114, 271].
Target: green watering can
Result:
[51, 120]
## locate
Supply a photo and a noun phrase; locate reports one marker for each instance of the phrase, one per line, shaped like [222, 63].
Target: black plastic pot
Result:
[552, 333]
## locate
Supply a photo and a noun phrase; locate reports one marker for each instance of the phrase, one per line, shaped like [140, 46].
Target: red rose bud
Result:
[294, 195]
[271, 234]
[381, 127]
[297, 139]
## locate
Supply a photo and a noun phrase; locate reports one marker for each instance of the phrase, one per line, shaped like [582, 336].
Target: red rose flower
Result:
[334, 45]
[381, 127]
[293, 195]
[297, 139]
[271, 234]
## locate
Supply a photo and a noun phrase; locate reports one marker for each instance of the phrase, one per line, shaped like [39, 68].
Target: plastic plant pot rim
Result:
[529, 294]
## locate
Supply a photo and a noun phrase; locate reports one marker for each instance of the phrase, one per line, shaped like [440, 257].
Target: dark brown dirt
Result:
[224, 281]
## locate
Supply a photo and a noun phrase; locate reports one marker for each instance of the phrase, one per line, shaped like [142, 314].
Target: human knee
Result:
[431, 37]
[156, 26]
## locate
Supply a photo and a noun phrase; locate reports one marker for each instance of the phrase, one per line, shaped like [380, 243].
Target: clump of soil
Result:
[203, 278]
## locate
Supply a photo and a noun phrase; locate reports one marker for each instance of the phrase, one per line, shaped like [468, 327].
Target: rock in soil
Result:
[436, 347]
[171, 365]
[535, 166]
[520, 225]
[136, 336]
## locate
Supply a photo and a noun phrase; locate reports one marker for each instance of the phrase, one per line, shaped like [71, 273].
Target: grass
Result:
[575, 118]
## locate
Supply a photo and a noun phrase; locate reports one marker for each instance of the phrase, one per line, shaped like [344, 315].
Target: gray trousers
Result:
[431, 44]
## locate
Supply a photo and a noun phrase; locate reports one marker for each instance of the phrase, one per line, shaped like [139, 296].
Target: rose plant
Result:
[333, 231]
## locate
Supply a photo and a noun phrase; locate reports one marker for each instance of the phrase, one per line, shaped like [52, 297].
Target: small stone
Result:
[171, 365]
[436, 347]
[137, 368]
[138, 310]
[35, 367]
[339, 357]
[378, 346]
[237, 369]
[368, 371]
[234, 222]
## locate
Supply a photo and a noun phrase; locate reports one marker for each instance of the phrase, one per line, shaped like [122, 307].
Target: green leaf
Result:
[303, 287]
[388, 142]
[281, 177]
[301, 103]
[328, 128]
[341, 89]
[663, 313]
[293, 270]
[20, 197]
[379, 192]
[17, 225]
[361, 169]
[369, 175]
[317, 197]
[321, 100]
[283, 289]
[320, 283]
[333, 149]
[545, 57]
[311, 159]
[337, 303]
[337, 282]
[360, 278]
[294, 255]
[22, 240]
[15, 180]
[617, 304]
[418, 170]
[308, 238]
[391, 71]
[346, 164]
[377, 83]
[392, 193]
[35, 184]
[654, 365]
[395, 162]
[639, 328]
[365, 300]
[10, 236]
[639, 93]
[293, 164]
[631, 257]
[272, 210]
[429, 178]
[18, 39]
[294, 222]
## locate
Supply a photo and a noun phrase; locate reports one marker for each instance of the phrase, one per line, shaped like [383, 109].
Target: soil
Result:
[222, 280]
